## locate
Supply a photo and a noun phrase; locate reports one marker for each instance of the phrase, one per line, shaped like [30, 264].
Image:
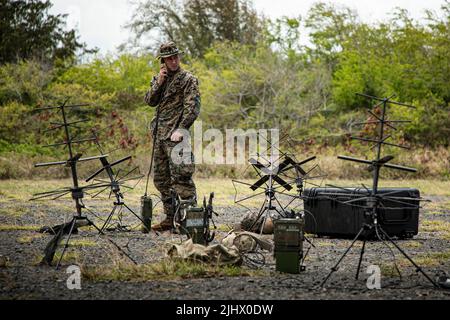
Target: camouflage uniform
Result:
[178, 100]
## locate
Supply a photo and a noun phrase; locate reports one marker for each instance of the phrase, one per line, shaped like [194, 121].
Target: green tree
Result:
[125, 78]
[28, 31]
[24, 82]
[257, 87]
[283, 35]
[195, 24]
[404, 57]
[330, 28]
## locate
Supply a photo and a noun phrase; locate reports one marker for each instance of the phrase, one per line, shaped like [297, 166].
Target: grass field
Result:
[107, 270]
[224, 190]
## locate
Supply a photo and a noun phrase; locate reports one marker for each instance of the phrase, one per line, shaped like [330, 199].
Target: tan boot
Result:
[165, 225]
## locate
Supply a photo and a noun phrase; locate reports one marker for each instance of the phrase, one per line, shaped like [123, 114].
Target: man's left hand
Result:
[177, 136]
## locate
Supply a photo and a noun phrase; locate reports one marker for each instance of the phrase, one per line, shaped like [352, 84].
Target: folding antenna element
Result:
[114, 184]
[75, 190]
[372, 200]
[381, 139]
[279, 172]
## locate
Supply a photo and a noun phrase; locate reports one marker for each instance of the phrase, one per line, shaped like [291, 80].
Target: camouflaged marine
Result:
[176, 94]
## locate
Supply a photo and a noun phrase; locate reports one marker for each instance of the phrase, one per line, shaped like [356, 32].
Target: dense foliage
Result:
[265, 78]
[28, 31]
[196, 24]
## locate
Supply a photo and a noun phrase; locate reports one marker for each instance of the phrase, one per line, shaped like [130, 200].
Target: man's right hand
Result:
[162, 75]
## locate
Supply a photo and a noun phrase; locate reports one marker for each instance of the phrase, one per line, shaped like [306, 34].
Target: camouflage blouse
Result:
[178, 100]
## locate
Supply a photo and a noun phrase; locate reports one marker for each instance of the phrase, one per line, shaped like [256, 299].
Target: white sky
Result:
[100, 22]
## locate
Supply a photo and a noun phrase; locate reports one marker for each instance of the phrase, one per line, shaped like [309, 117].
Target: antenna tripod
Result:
[274, 174]
[115, 188]
[77, 192]
[270, 177]
[373, 225]
[373, 199]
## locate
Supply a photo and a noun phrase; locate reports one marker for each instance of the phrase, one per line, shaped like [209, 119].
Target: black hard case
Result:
[328, 216]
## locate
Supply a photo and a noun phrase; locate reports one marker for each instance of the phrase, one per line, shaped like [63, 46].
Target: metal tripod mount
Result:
[373, 201]
[287, 164]
[115, 184]
[300, 179]
[270, 177]
[115, 188]
[373, 225]
[77, 192]
[274, 181]
[277, 176]
[301, 176]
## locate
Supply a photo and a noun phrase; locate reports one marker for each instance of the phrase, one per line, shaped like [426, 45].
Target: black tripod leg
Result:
[307, 251]
[142, 220]
[418, 268]
[335, 268]
[261, 211]
[278, 211]
[108, 219]
[90, 223]
[100, 231]
[360, 259]
[310, 242]
[312, 245]
[66, 245]
[137, 216]
[112, 242]
[121, 250]
[302, 261]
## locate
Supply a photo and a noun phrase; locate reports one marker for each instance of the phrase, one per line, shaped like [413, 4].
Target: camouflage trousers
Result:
[171, 175]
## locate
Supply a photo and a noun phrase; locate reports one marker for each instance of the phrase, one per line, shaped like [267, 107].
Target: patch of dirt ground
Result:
[21, 249]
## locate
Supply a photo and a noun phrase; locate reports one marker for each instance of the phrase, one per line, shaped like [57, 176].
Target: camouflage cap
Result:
[168, 49]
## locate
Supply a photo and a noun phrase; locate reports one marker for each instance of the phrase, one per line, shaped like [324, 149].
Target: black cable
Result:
[154, 136]
[156, 196]
[254, 259]
[314, 218]
[312, 240]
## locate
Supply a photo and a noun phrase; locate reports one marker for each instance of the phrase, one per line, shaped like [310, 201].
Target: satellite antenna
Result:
[115, 181]
[76, 191]
[277, 176]
[372, 200]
